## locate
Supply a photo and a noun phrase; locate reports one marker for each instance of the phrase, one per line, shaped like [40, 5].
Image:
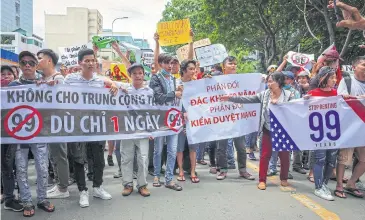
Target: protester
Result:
[165, 90]
[7, 75]
[16, 71]
[275, 94]
[86, 78]
[354, 86]
[187, 71]
[28, 64]
[138, 146]
[175, 70]
[324, 159]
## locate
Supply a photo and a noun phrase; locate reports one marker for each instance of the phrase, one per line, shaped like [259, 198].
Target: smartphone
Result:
[338, 17]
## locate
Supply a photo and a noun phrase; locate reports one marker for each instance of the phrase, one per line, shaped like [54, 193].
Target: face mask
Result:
[165, 73]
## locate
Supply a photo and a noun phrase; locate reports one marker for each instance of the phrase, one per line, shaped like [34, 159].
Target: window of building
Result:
[17, 21]
[23, 39]
[36, 43]
[17, 7]
[7, 39]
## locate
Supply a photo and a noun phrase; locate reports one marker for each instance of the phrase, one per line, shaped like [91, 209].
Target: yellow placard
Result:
[118, 72]
[174, 32]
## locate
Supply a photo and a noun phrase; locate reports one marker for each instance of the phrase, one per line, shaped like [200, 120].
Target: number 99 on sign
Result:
[327, 125]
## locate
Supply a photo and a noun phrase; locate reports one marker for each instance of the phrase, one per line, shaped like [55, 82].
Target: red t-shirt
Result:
[320, 92]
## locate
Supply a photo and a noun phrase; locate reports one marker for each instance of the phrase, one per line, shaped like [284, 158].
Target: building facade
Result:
[17, 14]
[19, 40]
[77, 27]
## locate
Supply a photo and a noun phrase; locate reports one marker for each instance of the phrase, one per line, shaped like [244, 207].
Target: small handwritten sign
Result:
[174, 32]
[182, 52]
[69, 55]
[210, 55]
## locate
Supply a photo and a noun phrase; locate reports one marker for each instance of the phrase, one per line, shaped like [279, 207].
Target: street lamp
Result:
[121, 18]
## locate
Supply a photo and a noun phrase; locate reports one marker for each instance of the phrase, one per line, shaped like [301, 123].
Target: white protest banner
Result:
[210, 55]
[347, 68]
[68, 55]
[209, 119]
[325, 123]
[182, 52]
[148, 58]
[301, 59]
[43, 114]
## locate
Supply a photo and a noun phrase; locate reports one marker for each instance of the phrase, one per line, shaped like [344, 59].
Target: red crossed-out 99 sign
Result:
[300, 59]
[174, 119]
[23, 122]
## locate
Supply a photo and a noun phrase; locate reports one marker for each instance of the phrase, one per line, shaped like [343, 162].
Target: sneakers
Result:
[55, 193]
[360, 186]
[13, 205]
[272, 173]
[110, 160]
[144, 191]
[221, 176]
[251, 156]
[127, 190]
[299, 170]
[84, 199]
[99, 192]
[118, 174]
[322, 193]
[305, 166]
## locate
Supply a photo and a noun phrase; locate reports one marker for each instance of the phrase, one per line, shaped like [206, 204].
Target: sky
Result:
[143, 14]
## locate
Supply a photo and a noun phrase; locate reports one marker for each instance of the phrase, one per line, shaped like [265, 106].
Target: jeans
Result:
[171, 156]
[58, 152]
[128, 151]
[222, 158]
[7, 166]
[40, 153]
[117, 145]
[250, 140]
[274, 161]
[95, 150]
[325, 162]
[212, 153]
[200, 152]
[266, 151]
[182, 141]
[297, 162]
[230, 153]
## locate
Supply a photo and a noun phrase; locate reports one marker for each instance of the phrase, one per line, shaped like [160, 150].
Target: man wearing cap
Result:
[28, 64]
[138, 146]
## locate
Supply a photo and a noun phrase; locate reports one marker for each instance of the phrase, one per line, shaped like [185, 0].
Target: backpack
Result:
[347, 77]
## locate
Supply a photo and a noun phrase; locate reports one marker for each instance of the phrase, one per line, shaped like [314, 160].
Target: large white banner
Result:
[31, 114]
[209, 119]
[210, 55]
[317, 124]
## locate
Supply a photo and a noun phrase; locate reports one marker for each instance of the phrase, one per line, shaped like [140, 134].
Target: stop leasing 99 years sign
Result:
[23, 122]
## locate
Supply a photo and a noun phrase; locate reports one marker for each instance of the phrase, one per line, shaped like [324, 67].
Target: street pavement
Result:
[233, 198]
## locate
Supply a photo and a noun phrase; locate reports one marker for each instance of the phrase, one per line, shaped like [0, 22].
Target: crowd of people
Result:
[59, 165]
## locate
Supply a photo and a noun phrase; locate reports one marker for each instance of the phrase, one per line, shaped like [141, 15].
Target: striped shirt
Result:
[76, 79]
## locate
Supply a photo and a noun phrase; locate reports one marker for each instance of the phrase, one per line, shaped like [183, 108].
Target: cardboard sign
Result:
[148, 58]
[68, 55]
[210, 55]
[119, 73]
[182, 52]
[301, 59]
[174, 32]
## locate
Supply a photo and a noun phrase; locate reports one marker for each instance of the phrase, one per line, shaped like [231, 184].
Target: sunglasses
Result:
[31, 63]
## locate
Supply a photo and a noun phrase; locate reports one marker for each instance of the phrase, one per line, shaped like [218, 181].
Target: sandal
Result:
[202, 162]
[174, 186]
[181, 178]
[311, 179]
[28, 210]
[354, 192]
[46, 206]
[194, 179]
[156, 182]
[340, 194]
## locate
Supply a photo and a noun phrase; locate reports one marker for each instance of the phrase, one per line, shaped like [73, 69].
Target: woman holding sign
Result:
[275, 94]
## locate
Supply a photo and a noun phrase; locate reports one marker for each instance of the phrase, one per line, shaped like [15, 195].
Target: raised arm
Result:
[125, 60]
[191, 46]
[244, 99]
[283, 64]
[156, 52]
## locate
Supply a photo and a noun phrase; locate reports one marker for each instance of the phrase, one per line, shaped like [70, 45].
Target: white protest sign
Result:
[148, 58]
[182, 52]
[325, 123]
[68, 55]
[210, 55]
[301, 59]
[347, 68]
[209, 119]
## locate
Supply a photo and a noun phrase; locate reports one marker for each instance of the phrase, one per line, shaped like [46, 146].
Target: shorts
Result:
[182, 141]
[345, 155]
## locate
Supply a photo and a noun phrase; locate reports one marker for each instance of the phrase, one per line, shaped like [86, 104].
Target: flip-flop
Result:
[354, 192]
[194, 179]
[181, 178]
[156, 183]
[342, 193]
[311, 179]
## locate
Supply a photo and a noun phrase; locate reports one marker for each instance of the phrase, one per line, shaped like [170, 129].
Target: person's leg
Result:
[359, 169]
[127, 155]
[150, 156]
[273, 163]
[21, 161]
[142, 147]
[40, 152]
[239, 143]
[331, 158]
[110, 153]
[117, 153]
[285, 164]
[230, 154]
[212, 152]
[266, 150]
[192, 155]
[7, 161]
[58, 152]
[344, 158]
[318, 167]
[222, 163]
[78, 150]
[180, 154]
[96, 148]
[157, 154]
[171, 157]
[90, 165]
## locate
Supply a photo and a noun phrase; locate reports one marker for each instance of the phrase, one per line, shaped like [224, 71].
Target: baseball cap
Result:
[289, 74]
[174, 59]
[271, 67]
[289, 68]
[303, 73]
[332, 55]
[135, 65]
[27, 54]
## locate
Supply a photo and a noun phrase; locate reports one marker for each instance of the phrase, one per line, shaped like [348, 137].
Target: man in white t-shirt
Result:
[356, 85]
